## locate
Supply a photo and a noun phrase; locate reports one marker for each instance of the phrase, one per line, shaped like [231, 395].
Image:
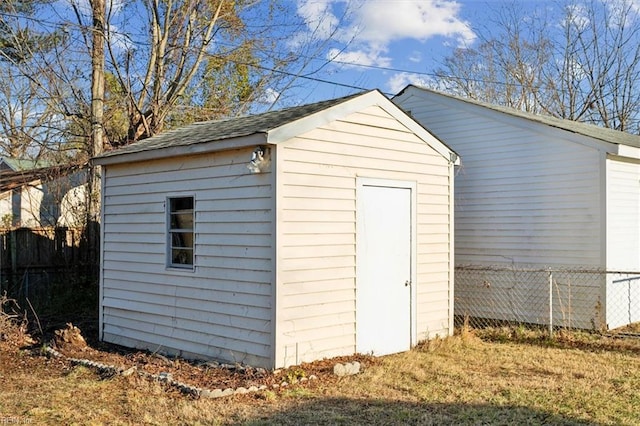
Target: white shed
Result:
[542, 192]
[285, 237]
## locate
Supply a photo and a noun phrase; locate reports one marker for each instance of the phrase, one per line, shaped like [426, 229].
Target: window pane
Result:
[182, 239]
[182, 203]
[182, 256]
[180, 231]
[182, 220]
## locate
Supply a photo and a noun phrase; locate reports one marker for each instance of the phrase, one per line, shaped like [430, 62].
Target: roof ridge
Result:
[586, 129]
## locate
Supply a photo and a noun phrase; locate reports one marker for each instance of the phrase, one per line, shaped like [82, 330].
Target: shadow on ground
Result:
[342, 411]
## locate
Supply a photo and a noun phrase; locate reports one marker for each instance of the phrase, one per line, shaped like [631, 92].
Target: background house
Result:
[44, 255]
[37, 197]
[539, 192]
[285, 237]
[9, 164]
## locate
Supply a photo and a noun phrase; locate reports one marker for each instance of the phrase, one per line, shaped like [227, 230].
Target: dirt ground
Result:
[203, 374]
[574, 379]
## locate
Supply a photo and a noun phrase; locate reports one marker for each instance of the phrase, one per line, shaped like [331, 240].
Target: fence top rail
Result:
[552, 269]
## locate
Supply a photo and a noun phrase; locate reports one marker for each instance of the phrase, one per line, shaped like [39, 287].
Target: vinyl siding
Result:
[623, 242]
[525, 194]
[317, 174]
[623, 215]
[220, 310]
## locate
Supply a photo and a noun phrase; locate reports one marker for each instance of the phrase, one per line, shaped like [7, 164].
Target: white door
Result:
[383, 284]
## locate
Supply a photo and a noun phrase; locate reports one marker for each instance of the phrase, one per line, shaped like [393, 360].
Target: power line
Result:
[139, 43]
[142, 44]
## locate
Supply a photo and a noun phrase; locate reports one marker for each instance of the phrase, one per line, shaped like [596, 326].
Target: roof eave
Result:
[178, 151]
[606, 144]
[374, 97]
[628, 152]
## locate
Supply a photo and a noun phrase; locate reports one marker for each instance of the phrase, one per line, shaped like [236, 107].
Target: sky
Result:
[392, 43]
[375, 44]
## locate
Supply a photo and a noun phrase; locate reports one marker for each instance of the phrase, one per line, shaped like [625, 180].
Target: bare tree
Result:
[167, 63]
[580, 61]
[196, 60]
[600, 68]
[29, 119]
[505, 69]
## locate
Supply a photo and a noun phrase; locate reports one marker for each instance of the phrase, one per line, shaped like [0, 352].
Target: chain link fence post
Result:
[550, 303]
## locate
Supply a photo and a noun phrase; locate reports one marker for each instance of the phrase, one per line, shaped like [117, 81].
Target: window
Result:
[180, 238]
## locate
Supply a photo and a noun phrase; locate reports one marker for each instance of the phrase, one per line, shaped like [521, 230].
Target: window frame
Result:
[173, 232]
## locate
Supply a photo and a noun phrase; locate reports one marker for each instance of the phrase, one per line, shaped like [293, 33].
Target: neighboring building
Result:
[536, 191]
[289, 236]
[8, 164]
[41, 197]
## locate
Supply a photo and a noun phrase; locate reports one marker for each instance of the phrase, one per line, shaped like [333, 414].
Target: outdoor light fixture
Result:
[260, 159]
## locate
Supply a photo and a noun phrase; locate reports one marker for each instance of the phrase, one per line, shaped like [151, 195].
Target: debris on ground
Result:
[69, 338]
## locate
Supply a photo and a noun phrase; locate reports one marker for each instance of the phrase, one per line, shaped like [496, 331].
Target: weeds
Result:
[562, 339]
[9, 314]
[293, 376]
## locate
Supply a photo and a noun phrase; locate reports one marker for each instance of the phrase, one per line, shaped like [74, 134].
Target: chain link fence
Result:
[552, 297]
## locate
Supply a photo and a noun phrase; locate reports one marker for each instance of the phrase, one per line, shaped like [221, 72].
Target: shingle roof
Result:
[216, 130]
[584, 129]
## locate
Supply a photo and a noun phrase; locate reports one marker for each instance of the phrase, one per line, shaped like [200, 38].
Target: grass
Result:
[573, 379]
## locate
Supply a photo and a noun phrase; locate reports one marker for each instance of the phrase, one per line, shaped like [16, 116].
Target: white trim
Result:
[603, 195]
[103, 178]
[624, 159]
[412, 186]
[452, 258]
[290, 130]
[277, 354]
[629, 151]
[168, 244]
[295, 128]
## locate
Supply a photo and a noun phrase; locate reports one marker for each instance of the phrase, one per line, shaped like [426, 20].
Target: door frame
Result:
[362, 182]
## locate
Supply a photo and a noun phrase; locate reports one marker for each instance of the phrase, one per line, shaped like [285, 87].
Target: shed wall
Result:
[623, 242]
[223, 308]
[317, 174]
[525, 194]
[623, 212]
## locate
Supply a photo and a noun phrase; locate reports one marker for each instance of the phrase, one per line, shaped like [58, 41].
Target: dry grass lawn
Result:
[461, 380]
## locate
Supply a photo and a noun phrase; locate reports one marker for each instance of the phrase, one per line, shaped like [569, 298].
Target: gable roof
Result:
[269, 127]
[584, 129]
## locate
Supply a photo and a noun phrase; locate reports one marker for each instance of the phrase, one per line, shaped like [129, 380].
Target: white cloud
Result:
[119, 40]
[368, 27]
[387, 21]
[577, 16]
[360, 57]
[399, 81]
[318, 16]
[269, 97]
[416, 56]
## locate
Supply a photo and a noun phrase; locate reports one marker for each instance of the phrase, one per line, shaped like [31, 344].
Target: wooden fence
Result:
[42, 265]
